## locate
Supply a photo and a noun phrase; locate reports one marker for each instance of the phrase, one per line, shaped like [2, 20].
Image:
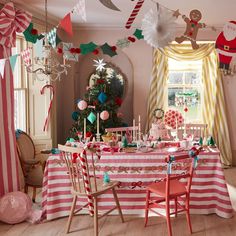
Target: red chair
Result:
[172, 189]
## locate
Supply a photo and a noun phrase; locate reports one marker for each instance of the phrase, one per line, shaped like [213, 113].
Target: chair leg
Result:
[95, 217]
[71, 214]
[34, 194]
[176, 208]
[188, 214]
[26, 188]
[147, 207]
[168, 217]
[118, 205]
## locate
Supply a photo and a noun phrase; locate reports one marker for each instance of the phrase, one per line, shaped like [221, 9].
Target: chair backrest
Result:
[25, 147]
[179, 167]
[81, 171]
[131, 131]
[197, 130]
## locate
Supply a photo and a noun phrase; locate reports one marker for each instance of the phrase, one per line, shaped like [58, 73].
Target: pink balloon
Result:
[82, 105]
[15, 207]
[104, 115]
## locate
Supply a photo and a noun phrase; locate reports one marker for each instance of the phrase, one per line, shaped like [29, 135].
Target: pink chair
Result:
[172, 189]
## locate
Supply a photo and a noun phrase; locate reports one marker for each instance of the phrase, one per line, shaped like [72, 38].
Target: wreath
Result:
[161, 111]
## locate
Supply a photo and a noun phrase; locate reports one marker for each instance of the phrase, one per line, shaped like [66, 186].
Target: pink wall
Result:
[140, 55]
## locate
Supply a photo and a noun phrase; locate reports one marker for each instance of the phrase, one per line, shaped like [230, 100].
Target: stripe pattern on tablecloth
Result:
[135, 171]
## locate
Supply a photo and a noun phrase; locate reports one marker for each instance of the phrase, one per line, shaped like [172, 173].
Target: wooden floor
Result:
[203, 225]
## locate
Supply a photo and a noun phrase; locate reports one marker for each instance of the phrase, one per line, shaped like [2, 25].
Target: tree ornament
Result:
[99, 64]
[159, 27]
[104, 115]
[75, 115]
[102, 97]
[91, 117]
[192, 27]
[82, 105]
[118, 101]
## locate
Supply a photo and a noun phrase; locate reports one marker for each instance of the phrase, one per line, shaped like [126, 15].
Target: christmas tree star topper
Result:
[99, 64]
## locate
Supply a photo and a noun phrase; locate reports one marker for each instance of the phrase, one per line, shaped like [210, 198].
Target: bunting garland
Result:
[51, 36]
[66, 25]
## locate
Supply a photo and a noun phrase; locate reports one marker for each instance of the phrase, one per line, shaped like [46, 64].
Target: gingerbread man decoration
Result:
[192, 28]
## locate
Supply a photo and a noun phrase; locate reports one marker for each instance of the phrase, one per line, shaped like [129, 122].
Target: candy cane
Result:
[83, 162]
[134, 14]
[50, 105]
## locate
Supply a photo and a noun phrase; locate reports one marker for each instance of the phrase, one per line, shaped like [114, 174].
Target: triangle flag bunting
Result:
[38, 48]
[51, 36]
[26, 56]
[2, 67]
[80, 9]
[12, 60]
[65, 24]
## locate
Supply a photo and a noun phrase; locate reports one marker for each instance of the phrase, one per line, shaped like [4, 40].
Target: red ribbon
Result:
[45, 127]
[136, 184]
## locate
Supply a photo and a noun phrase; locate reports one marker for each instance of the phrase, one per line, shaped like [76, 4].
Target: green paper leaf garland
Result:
[138, 34]
[87, 48]
[107, 50]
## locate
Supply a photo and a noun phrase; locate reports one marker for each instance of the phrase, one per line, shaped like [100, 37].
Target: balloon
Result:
[15, 207]
[172, 117]
[104, 115]
[82, 105]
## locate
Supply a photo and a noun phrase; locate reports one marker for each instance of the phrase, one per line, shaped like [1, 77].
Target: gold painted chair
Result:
[131, 132]
[90, 186]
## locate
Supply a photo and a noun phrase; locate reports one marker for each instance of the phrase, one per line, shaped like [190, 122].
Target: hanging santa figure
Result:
[226, 44]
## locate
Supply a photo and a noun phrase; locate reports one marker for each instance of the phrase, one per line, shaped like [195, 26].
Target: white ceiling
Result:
[214, 12]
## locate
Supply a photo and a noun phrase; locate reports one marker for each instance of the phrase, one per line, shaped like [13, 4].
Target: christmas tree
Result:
[102, 97]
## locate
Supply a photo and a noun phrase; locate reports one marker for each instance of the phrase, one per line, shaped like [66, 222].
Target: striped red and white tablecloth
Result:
[135, 171]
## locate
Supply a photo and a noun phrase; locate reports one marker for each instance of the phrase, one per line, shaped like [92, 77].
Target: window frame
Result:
[23, 79]
[199, 86]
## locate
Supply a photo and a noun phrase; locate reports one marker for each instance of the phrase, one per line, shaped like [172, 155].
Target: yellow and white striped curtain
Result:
[214, 109]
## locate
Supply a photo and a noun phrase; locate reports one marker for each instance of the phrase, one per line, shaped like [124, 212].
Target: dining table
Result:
[135, 170]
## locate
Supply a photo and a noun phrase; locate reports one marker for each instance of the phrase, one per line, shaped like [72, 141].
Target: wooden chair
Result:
[90, 186]
[31, 167]
[196, 130]
[131, 132]
[172, 189]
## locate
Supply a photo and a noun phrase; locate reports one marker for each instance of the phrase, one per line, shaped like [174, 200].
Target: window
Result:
[20, 87]
[185, 88]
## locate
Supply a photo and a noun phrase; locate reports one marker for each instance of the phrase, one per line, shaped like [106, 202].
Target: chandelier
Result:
[47, 67]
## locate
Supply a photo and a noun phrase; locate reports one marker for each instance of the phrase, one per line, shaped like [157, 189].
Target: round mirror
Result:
[114, 77]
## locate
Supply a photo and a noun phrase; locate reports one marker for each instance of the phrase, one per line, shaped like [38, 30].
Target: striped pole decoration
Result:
[85, 173]
[45, 127]
[83, 162]
[134, 14]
